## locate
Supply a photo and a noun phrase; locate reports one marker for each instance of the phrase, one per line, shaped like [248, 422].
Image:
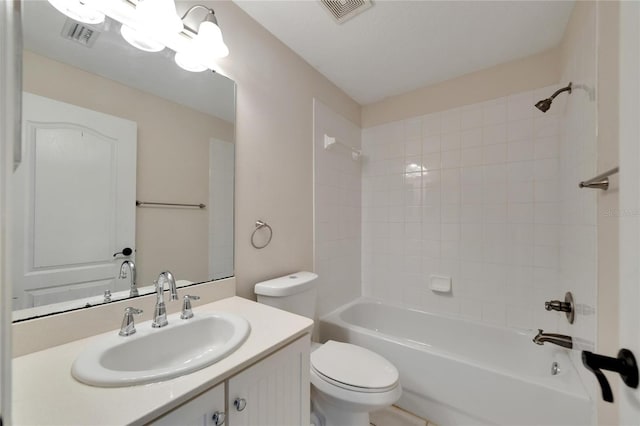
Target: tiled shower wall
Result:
[471, 193]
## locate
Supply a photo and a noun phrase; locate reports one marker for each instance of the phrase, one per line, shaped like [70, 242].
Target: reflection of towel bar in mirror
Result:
[149, 203]
[599, 182]
[330, 141]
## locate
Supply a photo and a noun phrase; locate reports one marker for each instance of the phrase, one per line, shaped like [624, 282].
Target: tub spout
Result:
[556, 339]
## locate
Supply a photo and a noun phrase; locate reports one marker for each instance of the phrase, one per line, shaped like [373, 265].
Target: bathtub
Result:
[457, 372]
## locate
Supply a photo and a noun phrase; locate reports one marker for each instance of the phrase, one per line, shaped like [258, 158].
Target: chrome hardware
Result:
[218, 418]
[557, 339]
[599, 182]
[149, 203]
[566, 306]
[240, 404]
[128, 264]
[128, 326]
[259, 225]
[107, 296]
[160, 311]
[555, 369]
[186, 306]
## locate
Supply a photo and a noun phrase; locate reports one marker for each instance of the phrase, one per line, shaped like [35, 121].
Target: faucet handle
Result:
[560, 306]
[128, 326]
[186, 306]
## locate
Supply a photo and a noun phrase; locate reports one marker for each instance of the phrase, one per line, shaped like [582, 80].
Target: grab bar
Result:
[599, 182]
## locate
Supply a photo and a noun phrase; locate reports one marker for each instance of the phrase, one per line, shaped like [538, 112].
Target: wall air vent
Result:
[80, 33]
[343, 10]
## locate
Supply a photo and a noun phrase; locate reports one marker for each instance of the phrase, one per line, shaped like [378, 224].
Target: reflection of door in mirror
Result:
[73, 202]
[221, 176]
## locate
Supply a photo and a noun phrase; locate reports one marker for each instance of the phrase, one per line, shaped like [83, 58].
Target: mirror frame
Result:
[10, 112]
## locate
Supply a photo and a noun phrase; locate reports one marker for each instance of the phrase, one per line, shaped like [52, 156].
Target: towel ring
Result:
[259, 225]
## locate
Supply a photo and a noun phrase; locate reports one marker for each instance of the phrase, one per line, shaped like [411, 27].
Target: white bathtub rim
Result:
[368, 299]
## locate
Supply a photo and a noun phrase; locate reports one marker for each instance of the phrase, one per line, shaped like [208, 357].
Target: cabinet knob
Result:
[218, 418]
[240, 403]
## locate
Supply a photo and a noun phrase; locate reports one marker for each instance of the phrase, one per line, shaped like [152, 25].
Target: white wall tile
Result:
[450, 141]
[487, 210]
[471, 138]
[471, 117]
[431, 124]
[493, 134]
[450, 121]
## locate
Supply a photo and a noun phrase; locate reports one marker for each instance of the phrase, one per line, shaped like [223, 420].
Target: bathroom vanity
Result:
[265, 381]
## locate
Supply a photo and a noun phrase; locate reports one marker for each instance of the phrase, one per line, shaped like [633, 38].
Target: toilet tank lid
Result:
[287, 285]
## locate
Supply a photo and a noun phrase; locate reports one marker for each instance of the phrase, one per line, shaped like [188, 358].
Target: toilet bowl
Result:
[347, 381]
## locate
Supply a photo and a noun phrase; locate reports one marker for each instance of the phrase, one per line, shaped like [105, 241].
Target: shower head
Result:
[545, 104]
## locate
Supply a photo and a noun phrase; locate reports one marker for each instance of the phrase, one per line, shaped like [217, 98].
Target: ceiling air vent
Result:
[80, 33]
[343, 10]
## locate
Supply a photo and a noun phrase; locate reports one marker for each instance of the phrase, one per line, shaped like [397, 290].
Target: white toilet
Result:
[347, 381]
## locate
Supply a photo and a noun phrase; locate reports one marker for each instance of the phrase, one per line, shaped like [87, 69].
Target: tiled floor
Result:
[394, 416]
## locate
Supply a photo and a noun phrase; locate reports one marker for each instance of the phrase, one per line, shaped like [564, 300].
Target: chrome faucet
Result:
[128, 264]
[556, 339]
[160, 312]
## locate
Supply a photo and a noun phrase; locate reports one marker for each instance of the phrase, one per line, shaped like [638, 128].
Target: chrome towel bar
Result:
[149, 203]
[599, 182]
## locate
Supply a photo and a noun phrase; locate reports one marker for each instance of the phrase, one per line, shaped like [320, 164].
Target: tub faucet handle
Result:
[560, 306]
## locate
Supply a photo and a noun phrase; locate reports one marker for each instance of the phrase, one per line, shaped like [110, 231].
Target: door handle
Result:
[625, 365]
[125, 252]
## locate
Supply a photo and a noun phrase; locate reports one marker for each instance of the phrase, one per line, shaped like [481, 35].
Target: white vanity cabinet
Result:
[275, 391]
[271, 392]
[200, 411]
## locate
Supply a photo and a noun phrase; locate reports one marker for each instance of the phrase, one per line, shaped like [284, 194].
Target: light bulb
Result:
[78, 11]
[152, 20]
[140, 40]
[188, 61]
[209, 41]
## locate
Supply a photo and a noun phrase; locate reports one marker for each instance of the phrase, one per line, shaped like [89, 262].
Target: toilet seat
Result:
[353, 368]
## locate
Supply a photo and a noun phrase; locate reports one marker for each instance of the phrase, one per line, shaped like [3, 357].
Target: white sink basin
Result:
[155, 354]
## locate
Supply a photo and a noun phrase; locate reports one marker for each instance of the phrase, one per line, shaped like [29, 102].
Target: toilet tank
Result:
[295, 293]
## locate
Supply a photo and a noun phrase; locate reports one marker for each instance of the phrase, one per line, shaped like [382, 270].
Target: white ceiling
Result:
[398, 46]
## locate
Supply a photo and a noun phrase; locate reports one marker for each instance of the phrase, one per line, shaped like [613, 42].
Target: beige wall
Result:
[172, 164]
[608, 202]
[274, 165]
[505, 79]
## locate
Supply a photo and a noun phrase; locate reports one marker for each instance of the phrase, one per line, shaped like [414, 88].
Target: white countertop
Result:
[45, 393]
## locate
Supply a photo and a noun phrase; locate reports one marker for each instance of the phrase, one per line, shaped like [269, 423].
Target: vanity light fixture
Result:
[206, 44]
[78, 11]
[152, 25]
[152, 18]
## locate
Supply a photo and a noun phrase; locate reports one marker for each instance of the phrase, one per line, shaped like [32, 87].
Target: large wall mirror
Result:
[127, 169]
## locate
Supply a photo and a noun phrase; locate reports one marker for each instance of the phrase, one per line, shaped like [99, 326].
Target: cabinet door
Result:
[197, 412]
[274, 391]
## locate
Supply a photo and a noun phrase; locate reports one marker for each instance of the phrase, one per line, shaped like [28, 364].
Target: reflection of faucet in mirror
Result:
[128, 264]
[160, 312]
